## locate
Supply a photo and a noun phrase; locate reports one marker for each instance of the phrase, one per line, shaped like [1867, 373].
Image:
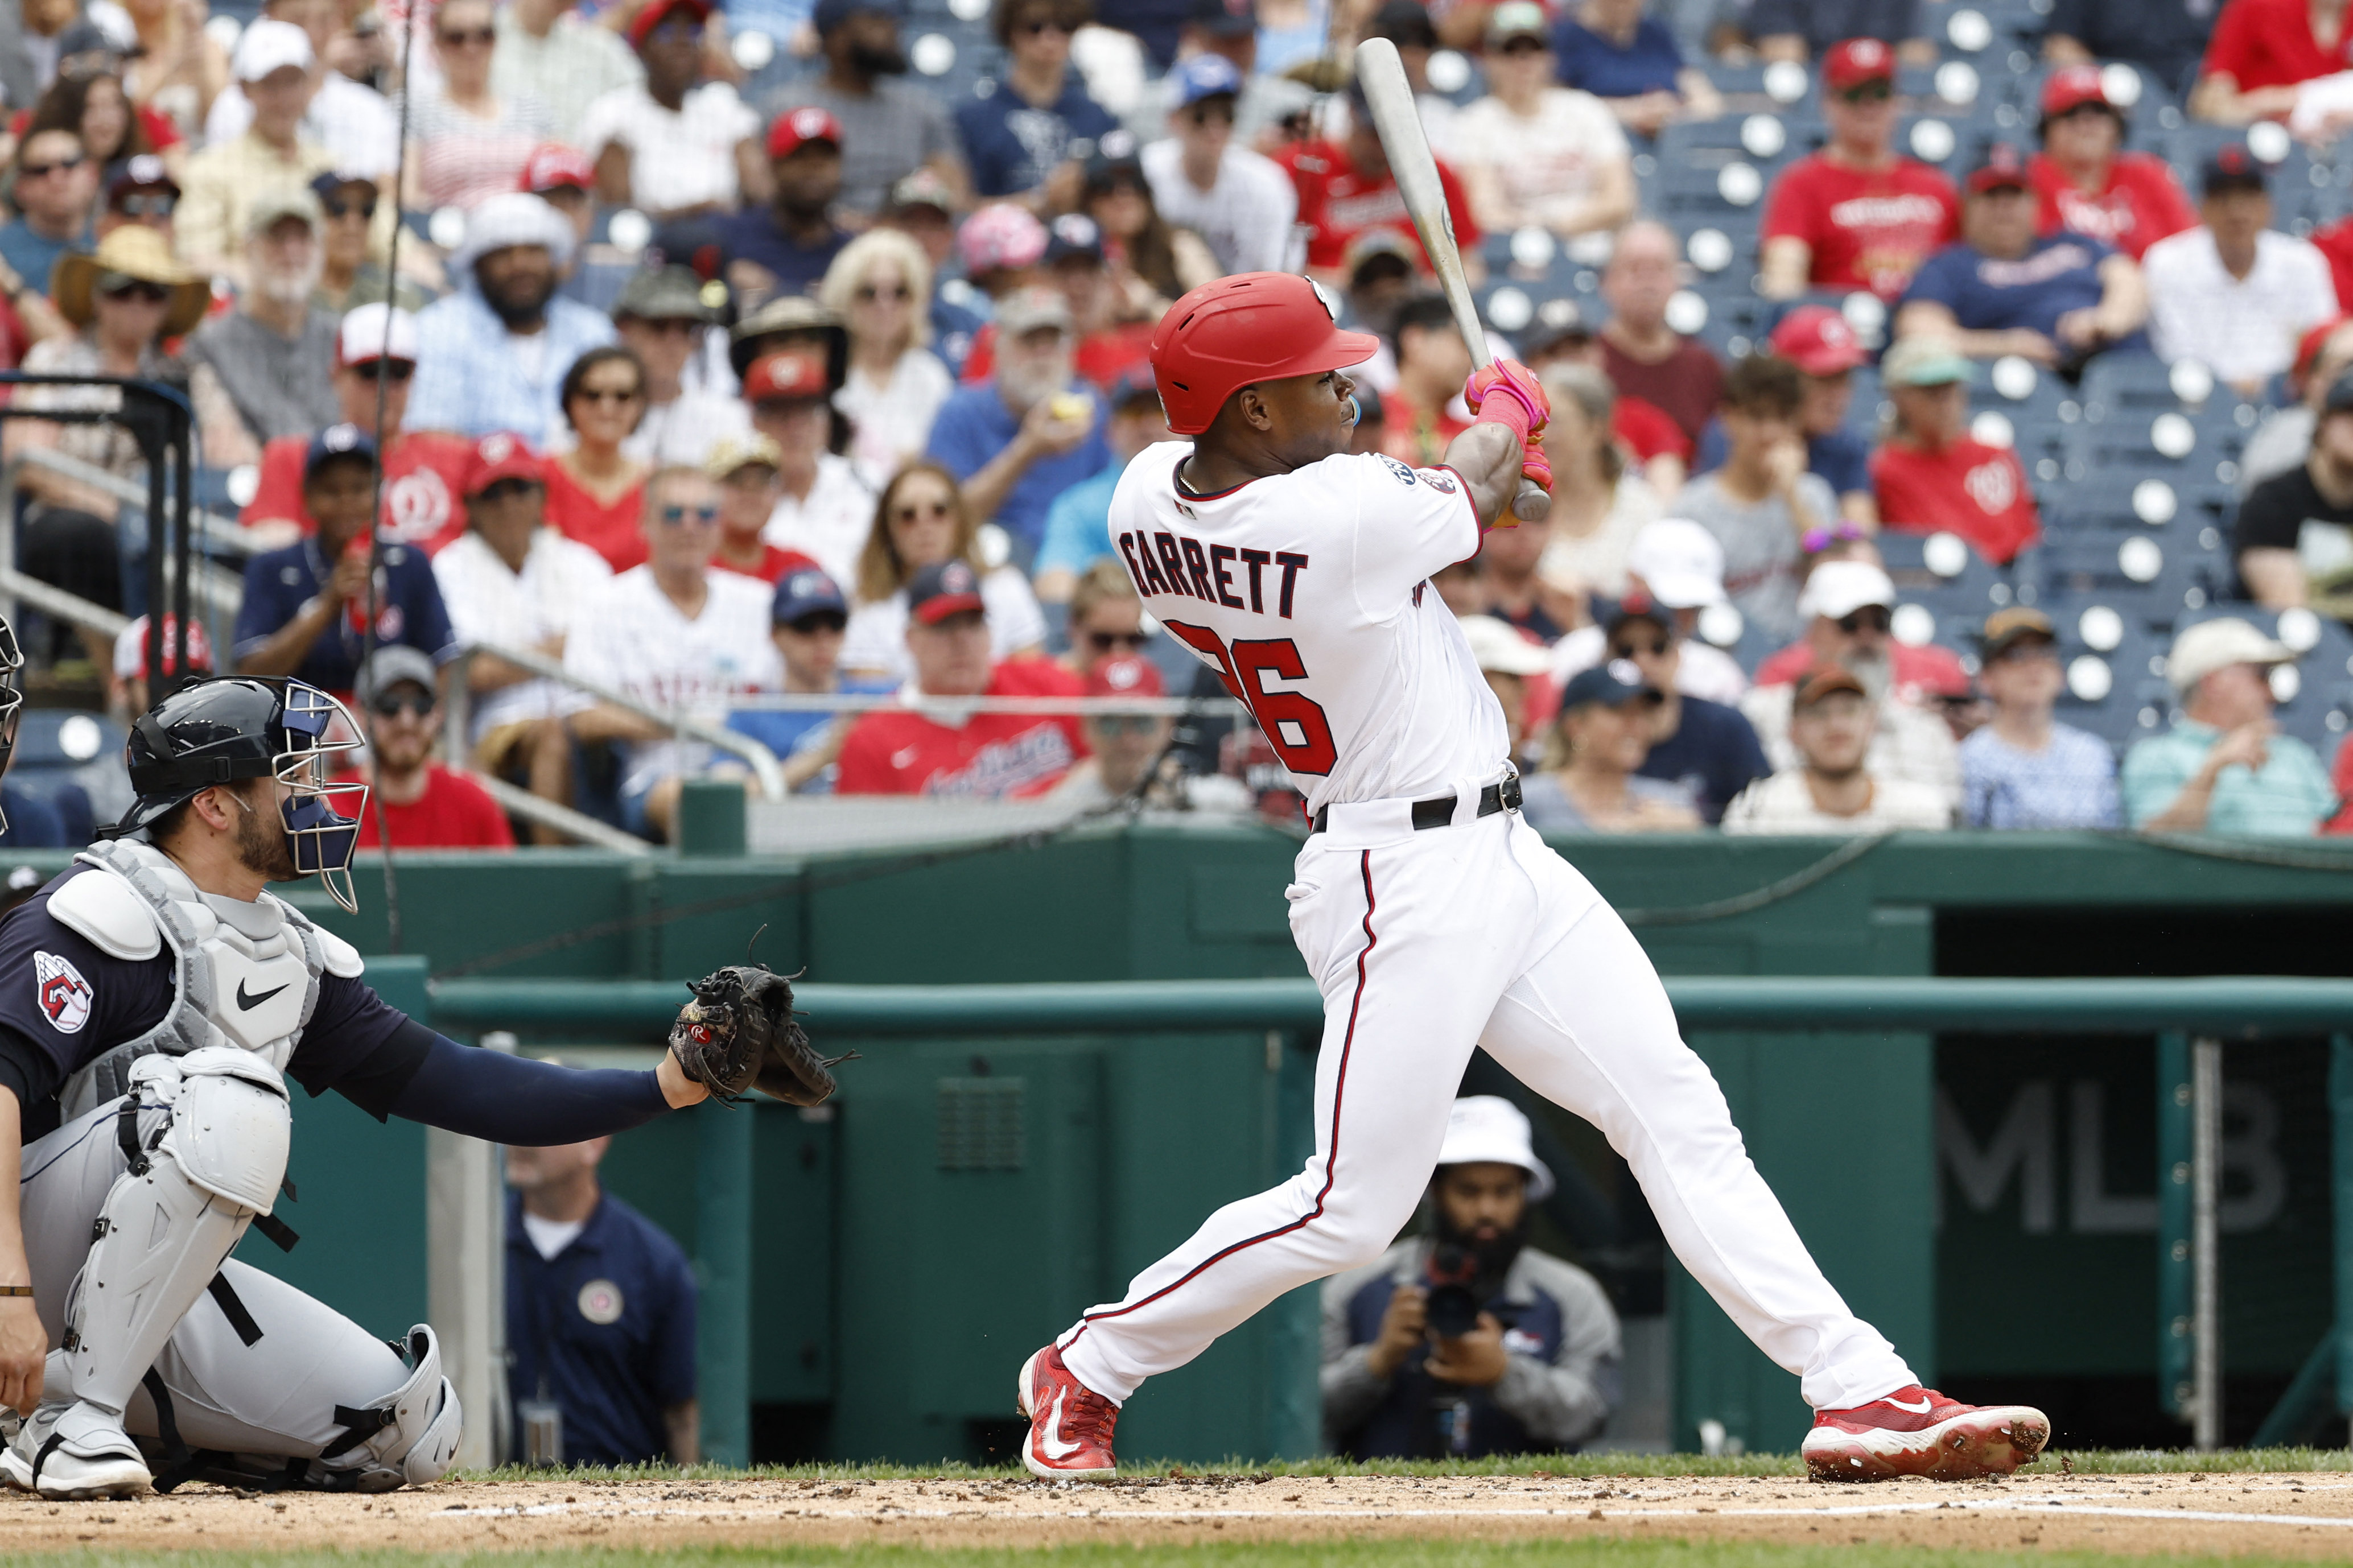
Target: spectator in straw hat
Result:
[122, 302]
[2223, 766]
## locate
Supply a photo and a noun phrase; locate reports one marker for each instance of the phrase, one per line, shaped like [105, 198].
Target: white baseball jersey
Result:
[1309, 593]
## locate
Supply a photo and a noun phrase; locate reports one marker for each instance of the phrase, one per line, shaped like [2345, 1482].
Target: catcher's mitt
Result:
[738, 1033]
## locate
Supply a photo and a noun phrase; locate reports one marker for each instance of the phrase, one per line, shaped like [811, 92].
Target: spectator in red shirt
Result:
[1432, 364]
[424, 471]
[2261, 51]
[1856, 215]
[2083, 183]
[424, 806]
[1345, 188]
[1642, 355]
[1930, 476]
[941, 747]
[595, 491]
[1656, 441]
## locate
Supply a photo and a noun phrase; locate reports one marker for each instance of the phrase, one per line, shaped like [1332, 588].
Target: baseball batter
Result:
[1432, 916]
[155, 1001]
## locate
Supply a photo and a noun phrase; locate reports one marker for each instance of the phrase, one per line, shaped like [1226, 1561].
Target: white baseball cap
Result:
[2199, 650]
[1498, 646]
[376, 331]
[1486, 1127]
[1839, 588]
[268, 45]
[1680, 561]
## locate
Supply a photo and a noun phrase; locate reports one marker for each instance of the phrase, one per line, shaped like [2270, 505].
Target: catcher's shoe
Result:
[1917, 1431]
[75, 1451]
[1070, 1423]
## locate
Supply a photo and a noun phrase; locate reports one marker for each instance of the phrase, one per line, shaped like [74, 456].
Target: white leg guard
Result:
[407, 1439]
[166, 1227]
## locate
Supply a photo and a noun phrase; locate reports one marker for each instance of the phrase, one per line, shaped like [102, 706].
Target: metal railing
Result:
[221, 590]
[2188, 1255]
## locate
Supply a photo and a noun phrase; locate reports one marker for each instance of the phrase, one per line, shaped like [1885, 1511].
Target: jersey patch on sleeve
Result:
[1438, 479]
[63, 994]
[1404, 473]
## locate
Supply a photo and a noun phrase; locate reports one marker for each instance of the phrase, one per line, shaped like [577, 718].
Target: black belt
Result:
[1439, 812]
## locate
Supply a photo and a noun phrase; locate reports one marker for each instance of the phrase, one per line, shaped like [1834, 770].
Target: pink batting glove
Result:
[1534, 464]
[1507, 392]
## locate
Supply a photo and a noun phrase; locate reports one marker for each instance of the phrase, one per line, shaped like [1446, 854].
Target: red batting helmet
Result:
[1252, 326]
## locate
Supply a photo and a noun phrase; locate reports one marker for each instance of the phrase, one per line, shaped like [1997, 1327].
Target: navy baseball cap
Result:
[807, 592]
[1613, 685]
[1134, 389]
[336, 441]
[947, 589]
[1205, 76]
[1073, 234]
[832, 13]
[2232, 169]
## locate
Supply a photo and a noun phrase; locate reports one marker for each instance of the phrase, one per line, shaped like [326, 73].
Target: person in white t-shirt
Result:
[510, 580]
[676, 637]
[824, 510]
[664, 317]
[668, 146]
[923, 520]
[879, 284]
[1533, 152]
[1832, 790]
[2233, 293]
[1242, 205]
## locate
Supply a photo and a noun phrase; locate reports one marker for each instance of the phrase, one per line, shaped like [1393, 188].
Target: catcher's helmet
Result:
[236, 727]
[1252, 326]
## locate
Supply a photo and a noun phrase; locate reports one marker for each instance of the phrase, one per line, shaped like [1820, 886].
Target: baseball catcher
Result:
[156, 1001]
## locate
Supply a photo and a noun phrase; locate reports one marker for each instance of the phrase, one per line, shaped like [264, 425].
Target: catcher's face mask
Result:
[11, 701]
[322, 819]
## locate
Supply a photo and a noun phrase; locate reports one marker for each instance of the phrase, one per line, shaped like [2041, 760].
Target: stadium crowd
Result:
[1951, 417]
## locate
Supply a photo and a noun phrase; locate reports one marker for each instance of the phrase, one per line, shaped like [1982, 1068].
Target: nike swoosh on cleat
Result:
[1051, 1444]
[1919, 1409]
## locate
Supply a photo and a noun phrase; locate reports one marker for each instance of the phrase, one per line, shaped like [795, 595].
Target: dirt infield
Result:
[2295, 1515]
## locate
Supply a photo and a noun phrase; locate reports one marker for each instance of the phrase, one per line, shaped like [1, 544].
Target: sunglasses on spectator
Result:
[898, 292]
[608, 394]
[137, 289]
[819, 621]
[139, 206]
[1124, 724]
[1869, 92]
[1648, 649]
[1037, 25]
[1103, 642]
[375, 369]
[461, 38]
[1874, 616]
[910, 512]
[678, 516]
[1525, 44]
[506, 489]
[343, 207]
[37, 171]
[392, 704]
[1211, 112]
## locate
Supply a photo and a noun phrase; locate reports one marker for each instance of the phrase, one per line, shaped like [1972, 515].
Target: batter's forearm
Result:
[1487, 456]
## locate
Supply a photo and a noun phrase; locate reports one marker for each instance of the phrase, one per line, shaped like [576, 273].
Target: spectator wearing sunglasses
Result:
[275, 353]
[1673, 573]
[1706, 749]
[896, 384]
[467, 140]
[424, 471]
[784, 245]
[143, 193]
[349, 276]
[1931, 475]
[745, 467]
[1533, 152]
[1856, 215]
[922, 521]
[420, 804]
[55, 192]
[806, 623]
[1028, 139]
[1240, 204]
[1077, 523]
[674, 636]
[1129, 755]
[664, 316]
[674, 145]
[595, 491]
[306, 607]
[1591, 780]
[1106, 619]
[509, 579]
[1849, 606]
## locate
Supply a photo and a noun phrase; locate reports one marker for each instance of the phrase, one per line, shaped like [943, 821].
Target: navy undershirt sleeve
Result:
[514, 1100]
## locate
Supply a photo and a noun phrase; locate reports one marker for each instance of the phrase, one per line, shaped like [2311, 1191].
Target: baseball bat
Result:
[1399, 122]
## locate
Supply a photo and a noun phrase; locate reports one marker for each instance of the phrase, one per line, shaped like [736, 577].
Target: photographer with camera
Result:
[1467, 1342]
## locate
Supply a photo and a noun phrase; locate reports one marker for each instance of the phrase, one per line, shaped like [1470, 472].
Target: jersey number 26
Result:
[1292, 720]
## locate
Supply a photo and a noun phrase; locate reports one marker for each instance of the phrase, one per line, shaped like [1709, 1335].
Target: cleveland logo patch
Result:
[63, 994]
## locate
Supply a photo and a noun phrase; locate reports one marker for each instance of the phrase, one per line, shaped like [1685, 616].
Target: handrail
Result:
[52, 600]
[1050, 707]
[2238, 1005]
[224, 590]
[577, 825]
[459, 720]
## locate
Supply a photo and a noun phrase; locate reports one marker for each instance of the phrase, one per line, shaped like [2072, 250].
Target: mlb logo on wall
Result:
[63, 994]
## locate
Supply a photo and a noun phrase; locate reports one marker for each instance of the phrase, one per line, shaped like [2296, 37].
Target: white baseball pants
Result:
[1425, 946]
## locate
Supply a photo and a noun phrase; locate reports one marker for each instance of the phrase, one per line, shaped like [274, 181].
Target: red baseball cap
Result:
[553, 166]
[2308, 347]
[2070, 88]
[1856, 61]
[2004, 169]
[657, 12]
[1125, 675]
[502, 455]
[1817, 340]
[783, 375]
[796, 127]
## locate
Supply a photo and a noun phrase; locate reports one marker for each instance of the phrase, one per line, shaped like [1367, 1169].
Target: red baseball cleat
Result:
[1070, 1423]
[1917, 1431]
